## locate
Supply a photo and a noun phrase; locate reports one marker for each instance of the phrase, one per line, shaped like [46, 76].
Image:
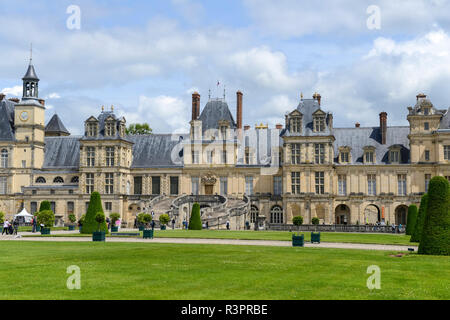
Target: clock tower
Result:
[29, 118]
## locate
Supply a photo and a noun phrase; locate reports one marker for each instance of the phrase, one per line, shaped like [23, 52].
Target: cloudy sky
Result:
[147, 57]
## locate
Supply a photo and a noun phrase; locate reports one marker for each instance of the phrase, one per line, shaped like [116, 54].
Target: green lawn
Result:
[281, 235]
[37, 270]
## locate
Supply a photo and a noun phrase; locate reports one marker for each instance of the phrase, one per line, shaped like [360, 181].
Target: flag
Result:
[218, 83]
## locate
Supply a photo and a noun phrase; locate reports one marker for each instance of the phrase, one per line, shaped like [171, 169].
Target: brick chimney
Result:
[279, 126]
[239, 109]
[2, 96]
[42, 101]
[318, 97]
[246, 127]
[383, 127]
[357, 125]
[195, 105]
[16, 100]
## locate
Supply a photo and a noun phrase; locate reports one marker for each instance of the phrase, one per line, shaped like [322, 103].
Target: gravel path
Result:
[219, 241]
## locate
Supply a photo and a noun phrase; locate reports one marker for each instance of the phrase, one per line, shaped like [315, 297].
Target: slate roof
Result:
[55, 125]
[358, 138]
[62, 152]
[215, 111]
[445, 121]
[6, 120]
[101, 123]
[31, 73]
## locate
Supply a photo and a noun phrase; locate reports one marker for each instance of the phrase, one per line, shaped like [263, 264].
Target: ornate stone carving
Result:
[209, 179]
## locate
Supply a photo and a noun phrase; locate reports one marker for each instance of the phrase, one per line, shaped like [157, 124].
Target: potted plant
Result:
[141, 222]
[114, 218]
[81, 221]
[72, 219]
[38, 226]
[99, 235]
[297, 221]
[2, 220]
[164, 219]
[46, 218]
[145, 219]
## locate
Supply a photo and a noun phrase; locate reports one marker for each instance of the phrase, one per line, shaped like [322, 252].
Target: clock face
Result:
[24, 116]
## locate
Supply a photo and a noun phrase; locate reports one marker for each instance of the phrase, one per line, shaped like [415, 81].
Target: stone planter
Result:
[163, 227]
[114, 229]
[148, 234]
[315, 237]
[45, 230]
[71, 228]
[298, 241]
[141, 228]
[38, 228]
[99, 236]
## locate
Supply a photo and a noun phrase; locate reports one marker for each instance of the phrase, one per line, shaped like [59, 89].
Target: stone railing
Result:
[334, 228]
[155, 200]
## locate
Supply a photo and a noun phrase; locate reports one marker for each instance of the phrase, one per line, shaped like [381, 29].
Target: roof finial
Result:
[112, 108]
[209, 94]
[224, 91]
[301, 95]
[103, 108]
[31, 53]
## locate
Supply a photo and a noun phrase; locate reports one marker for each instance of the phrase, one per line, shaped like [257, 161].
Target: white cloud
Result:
[53, 95]
[14, 91]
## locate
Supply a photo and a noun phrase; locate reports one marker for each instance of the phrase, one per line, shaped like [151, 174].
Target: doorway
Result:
[209, 189]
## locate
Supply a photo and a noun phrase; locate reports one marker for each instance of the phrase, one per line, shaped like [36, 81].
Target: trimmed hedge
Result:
[195, 222]
[411, 219]
[47, 218]
[436, 229]
[417, 234]
[164, 219]
[315, 220]
[90, 225]
[45, 205]
[297, 221]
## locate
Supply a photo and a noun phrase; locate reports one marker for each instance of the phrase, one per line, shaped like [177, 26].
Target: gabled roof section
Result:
[216, 110]
[56, 126]
[62, 152]
[31, 73]
[6, 120]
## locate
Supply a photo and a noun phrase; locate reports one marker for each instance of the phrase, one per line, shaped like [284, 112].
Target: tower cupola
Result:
[30, 83]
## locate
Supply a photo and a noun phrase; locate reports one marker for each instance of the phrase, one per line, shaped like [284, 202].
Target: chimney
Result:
[357, 125]
[2, 96]
[279, 126]
[421, 96]
[246, 127]
[42, 101]
[16, 100]
[239, 109]
[318, 97]
[383, 127]
[195, 105]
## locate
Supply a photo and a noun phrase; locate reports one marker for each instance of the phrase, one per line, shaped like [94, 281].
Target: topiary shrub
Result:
[100, 219]
[297, 221]
[47, 218]
[144, 219]
[195, 222]
[114, 217]
[72, 218]
[45, 205]
[164, 219]
[2, 217]
[315, 220]
[90, 225]
[81, 220]
[411, 219]
[417, 233]
[436, 228]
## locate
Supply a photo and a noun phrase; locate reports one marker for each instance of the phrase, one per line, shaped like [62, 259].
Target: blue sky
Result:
[147, 57]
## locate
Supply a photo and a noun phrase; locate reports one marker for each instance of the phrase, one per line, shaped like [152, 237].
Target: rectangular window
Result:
[108, 206]
[344, 157]
[90, 159]
[249, 185]
[277, 185]
[247, 156]
[109, 128]
[173, 185]
[33, 207]
[224, 156]
[426, 126]
[4, 158]
[53, 206]
[89, 183]
[401, 178]
[195, 157]
[3, 185]
[369, 157]
[109, 183]
[395, 156]
[195, 185]
[92, 129]
[296, 124]
[223, 186]
[427, 181]
[342, 185]
[295, 177]
[319, 153]
[137, 185]
[70, 207]
[447, 152]
[156, 185]
[210, 156]
[319, 124]
[24, 163]
[320, 182]
[295, 152]
[110, 156]
[371, 185]
[427, 155]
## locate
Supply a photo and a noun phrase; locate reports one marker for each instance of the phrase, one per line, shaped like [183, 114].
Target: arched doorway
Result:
[401, 215]
[276, 214]
[254, 213]
[372, 214]
[342, 214]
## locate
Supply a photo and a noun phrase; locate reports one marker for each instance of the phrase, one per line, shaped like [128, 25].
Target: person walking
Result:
[5, 227]
[34, 223]
[153, 224]
[108, 222]
[228, 225]
[15, 226]
[207, 225]
[173, 224]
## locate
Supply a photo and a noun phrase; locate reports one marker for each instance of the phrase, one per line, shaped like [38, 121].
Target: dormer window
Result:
[110, 129]
[369, 155]
[344, 154]
[426, 111]
[223, 128]
[296, 124]
[319, 123]
[394, 156]
[92, 129]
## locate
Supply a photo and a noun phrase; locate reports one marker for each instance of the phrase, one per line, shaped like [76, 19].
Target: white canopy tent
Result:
[26, 216]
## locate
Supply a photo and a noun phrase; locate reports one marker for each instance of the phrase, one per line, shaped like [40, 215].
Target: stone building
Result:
[262, 175]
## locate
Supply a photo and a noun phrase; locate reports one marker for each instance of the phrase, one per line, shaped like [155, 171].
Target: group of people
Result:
[10, 228]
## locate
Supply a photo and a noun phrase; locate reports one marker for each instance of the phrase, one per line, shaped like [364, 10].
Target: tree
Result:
[417, 234]
[195, 222]
[72, 218]
[315, 220]
[114, 217]
[144, 218]
[81, 220]
[139, 129]
[164, 219]
[100, 218]
[47, 218]
[436, 228]
[412, 219]
[90, 225]
[297, 221]
[45, 205]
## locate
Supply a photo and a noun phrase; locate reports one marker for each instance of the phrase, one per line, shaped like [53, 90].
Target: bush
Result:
[195, 222]
[47, 218]
[114, 217]
[315, 220]
[45, 205]
[90, 225]
[297, 221]
[417, 234]
[164, 219]
[100, 218]
[411, 219]
[436, 228]
[2, 217]
[72, 218]
[81, 220]
[144, 218]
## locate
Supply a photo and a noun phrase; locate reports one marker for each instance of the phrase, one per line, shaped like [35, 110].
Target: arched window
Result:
[4, 158]
[276, 215]
[41, 180]
[75, 179]
[254, 212]
[58, 180]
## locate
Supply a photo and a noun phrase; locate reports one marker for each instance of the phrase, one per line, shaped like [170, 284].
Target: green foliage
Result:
[114, 217]
[412, 219]
[47, 218]
[81, 220]
[45, 205]
[100, 218]
[297, 221]
[90, 225]
[144, 218]
[436, 228]
[164, 219]
[315, 220]
[2, 217]
[72, 218]
[195, 222]
[138, 129]
[417, 234]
